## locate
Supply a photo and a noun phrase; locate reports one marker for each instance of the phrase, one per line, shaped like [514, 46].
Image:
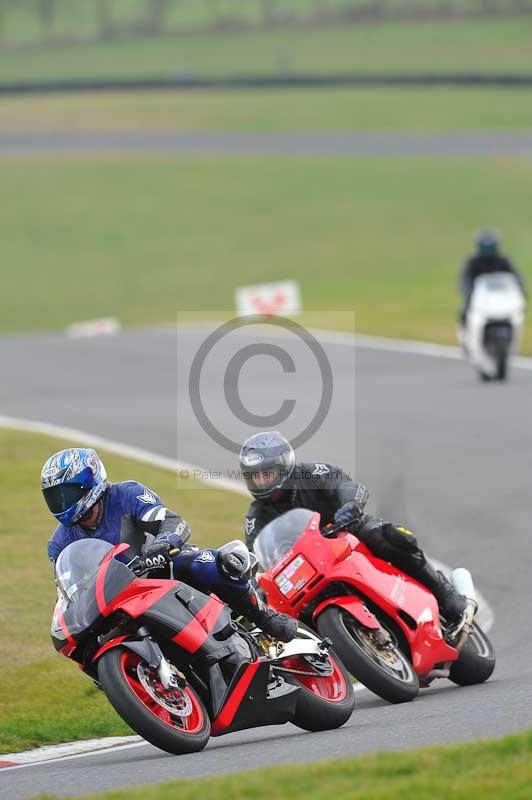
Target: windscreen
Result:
[77, 565]
[276, 538]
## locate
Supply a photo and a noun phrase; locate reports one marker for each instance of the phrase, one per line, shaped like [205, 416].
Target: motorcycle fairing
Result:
[195, 622]
[62, 638]
[347, 561]
[354, 605]
[108, 645]
[249, 700]
[115, 586]
[413, 607]
[190, 620]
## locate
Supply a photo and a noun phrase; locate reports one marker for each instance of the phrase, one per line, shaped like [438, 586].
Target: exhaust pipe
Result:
[463, 583]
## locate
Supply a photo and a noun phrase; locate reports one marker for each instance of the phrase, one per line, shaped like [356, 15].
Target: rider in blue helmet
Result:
[72, 482]
[87, 505]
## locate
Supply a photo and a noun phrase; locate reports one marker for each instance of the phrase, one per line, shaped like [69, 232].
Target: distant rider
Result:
[77, 492]
[278, 484]
[485, 260]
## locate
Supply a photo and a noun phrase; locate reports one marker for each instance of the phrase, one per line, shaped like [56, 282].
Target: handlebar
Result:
[330, 530]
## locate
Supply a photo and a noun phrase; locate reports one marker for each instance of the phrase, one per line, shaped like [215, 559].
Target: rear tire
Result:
[348, 638]
[187, 733]
[502, 367]
[323, 703]
[476, 662]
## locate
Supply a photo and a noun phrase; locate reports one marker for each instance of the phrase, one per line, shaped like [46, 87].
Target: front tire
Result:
[476, 662]
[387, 673]
[173, 720]
[324, 702]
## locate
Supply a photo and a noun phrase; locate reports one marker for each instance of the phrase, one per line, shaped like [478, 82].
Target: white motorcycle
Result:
[493, 324]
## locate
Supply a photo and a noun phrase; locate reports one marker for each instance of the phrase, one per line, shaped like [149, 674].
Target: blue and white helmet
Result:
[72, 481]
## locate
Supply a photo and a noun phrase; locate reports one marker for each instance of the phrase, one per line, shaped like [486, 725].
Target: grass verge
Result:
[492, 46]
[493, 770]
[144, 238]
[414, 110]
[44, 699]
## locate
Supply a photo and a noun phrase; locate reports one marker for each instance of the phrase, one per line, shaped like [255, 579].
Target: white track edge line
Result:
[97, 746]
[383, 343]
[117, 448]
[409, 346]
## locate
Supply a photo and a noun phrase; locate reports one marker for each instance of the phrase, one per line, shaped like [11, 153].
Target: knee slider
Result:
[400, 537]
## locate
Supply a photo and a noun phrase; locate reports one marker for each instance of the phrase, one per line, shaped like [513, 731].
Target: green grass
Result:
[145, 238]
[417, 110]
[492, 770]
[502, 45]
[44, 699]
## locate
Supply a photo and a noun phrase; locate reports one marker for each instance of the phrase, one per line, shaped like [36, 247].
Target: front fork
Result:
[148, 649]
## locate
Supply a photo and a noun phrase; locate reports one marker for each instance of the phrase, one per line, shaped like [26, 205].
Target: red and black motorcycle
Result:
[384, 625]
[175, 665]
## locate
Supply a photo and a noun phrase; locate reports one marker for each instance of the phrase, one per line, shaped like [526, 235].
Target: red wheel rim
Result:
[192, 723]
[331, 687]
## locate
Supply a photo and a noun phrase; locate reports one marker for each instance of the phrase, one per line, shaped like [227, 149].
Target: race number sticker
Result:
[294, 576]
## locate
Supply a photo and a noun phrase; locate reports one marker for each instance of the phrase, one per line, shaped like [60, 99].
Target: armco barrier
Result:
[291, 80]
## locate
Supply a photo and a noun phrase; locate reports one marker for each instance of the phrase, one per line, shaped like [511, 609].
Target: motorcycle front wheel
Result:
[386, 671]
[173, 719]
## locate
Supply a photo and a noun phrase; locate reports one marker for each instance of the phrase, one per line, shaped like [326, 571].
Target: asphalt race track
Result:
[440, 451]
[475, 144]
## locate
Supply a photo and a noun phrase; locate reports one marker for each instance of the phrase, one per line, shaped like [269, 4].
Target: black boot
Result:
[278, 626]
[451, 604]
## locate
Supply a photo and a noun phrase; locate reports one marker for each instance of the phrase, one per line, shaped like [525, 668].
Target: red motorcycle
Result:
[175, 665]
[384, 625]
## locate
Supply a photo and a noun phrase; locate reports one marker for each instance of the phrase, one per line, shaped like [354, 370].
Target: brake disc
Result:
[175, 701]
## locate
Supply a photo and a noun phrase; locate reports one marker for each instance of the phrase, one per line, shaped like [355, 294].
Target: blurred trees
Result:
[31, 21]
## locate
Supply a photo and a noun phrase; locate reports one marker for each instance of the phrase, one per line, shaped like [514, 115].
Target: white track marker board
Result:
[269, 299]
[107, 326]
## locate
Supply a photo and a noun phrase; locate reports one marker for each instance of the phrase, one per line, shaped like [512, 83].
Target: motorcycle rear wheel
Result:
[502, 367]
[324, 702]
[476, 662]
[135, 693]
[390, 675]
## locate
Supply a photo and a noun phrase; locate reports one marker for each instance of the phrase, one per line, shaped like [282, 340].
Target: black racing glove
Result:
[154, 556]
[348, 515]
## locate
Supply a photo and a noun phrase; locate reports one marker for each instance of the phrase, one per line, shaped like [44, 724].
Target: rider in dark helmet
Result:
[278, 484]
[86, 505]
[486, 259]
[267, 461]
